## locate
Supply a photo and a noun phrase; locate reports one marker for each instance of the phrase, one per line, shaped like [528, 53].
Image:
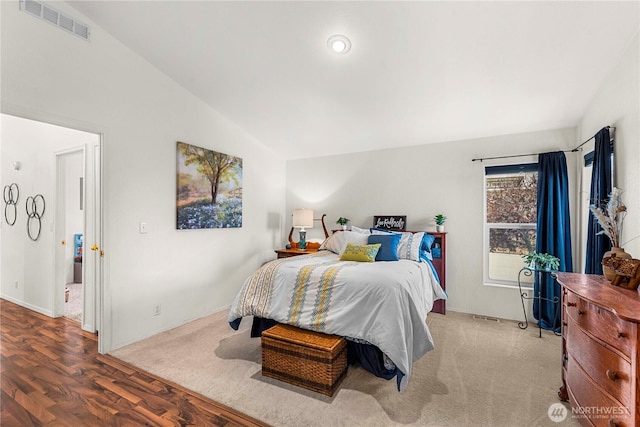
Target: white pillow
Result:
[360, 230]
[337, 242]
[409, 246]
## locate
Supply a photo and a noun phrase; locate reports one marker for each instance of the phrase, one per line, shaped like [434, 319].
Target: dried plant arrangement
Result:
[612, 217]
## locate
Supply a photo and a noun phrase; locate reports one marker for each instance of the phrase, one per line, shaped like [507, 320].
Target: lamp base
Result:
[302, 244]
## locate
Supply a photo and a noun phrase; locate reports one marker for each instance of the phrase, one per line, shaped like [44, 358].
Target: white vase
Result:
[440, 228]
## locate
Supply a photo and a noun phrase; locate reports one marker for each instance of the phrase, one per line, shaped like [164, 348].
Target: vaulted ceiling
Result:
[417, 72]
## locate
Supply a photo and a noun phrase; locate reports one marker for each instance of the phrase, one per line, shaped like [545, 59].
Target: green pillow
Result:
[361, 253]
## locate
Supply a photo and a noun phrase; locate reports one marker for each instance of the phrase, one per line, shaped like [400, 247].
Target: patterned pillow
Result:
[360, 253]
[409, 247]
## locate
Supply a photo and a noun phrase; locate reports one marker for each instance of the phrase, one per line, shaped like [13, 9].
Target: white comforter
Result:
[384, 303]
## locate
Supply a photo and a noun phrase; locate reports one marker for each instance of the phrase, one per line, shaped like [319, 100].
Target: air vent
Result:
[493, 319]
[55, 17]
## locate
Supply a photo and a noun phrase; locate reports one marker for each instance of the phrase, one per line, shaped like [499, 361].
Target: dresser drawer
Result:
[601, 323]
[606, 368]
[592, 403]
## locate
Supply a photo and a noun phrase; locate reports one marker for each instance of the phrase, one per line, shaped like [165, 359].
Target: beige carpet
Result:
[73, 307]
[482, 373]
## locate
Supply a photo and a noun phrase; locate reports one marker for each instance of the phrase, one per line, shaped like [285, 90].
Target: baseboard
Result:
[27, 305]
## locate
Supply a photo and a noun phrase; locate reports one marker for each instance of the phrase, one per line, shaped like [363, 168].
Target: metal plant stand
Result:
[527, 272]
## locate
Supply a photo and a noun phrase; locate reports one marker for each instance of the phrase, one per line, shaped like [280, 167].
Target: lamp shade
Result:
[303, 218]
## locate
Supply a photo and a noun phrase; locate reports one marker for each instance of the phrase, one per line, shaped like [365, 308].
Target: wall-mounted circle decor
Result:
[35, 211]
[11, 194]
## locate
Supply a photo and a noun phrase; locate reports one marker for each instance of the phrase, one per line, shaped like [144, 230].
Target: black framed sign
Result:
[390, 222]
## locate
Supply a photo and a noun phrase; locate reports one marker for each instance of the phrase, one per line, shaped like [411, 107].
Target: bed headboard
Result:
[440, 264]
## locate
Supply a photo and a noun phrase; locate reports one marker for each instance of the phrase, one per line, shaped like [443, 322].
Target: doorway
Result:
[35, 271]
[70, 199]
[78, 231]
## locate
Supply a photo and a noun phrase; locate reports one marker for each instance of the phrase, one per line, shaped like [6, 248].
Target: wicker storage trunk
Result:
[304, 358]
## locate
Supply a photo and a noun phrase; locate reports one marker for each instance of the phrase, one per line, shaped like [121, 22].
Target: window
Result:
[510, 221]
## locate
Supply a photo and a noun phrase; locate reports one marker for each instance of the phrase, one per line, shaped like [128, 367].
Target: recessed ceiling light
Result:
[339, 44]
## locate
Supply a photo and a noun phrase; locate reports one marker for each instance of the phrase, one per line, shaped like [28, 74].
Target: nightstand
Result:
[286, 253]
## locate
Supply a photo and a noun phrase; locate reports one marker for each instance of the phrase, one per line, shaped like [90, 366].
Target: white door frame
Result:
[93, 227]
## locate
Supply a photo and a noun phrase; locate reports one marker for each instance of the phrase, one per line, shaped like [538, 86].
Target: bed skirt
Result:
[367, 356]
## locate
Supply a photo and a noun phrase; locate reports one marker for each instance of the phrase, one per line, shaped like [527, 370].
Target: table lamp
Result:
[302, 219]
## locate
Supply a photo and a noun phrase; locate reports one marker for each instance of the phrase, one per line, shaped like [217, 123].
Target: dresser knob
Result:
[565, 357]
[565, 324]
[612, 423]
[571, 304]
[622, 335]
[612, 375]
[581, 313]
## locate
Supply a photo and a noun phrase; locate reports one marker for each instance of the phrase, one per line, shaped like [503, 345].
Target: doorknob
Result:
[94, 247]
[63, 243]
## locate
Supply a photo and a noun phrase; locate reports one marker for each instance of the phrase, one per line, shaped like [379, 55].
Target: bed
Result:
[379, 305]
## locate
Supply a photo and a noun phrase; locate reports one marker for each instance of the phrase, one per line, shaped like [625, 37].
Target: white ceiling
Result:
[417, 72]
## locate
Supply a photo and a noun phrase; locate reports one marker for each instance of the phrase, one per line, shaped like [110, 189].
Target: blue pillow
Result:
[425, 246]
[427, 242]
[389, 246]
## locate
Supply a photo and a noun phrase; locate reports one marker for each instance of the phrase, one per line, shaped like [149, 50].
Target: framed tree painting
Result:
[209, 188]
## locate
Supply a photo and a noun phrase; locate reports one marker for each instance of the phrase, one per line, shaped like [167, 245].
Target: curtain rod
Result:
[578, 148]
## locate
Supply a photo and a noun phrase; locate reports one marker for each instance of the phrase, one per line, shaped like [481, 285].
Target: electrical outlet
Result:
[156, 310]
[143, 228]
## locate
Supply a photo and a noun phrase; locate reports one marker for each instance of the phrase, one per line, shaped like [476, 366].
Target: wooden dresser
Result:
[600, 350]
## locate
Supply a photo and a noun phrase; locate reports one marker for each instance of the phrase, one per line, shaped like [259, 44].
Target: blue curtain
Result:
[553, 234]
[601, 186]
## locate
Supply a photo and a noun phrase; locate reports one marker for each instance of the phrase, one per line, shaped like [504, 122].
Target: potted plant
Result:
[440, 219]
[541, 261]
[343, 222]
[610, 220]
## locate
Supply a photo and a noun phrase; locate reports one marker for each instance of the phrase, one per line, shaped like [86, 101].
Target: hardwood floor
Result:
[52, 374]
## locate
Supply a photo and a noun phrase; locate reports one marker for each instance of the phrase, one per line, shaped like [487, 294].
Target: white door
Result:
[93, 238]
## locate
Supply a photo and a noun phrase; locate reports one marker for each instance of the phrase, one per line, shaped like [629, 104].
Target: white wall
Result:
[102, 86]
[420, 182]
[617, 103]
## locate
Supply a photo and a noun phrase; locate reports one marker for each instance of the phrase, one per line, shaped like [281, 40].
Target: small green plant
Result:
[342, 221]
[439, 219]
[541, 261]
